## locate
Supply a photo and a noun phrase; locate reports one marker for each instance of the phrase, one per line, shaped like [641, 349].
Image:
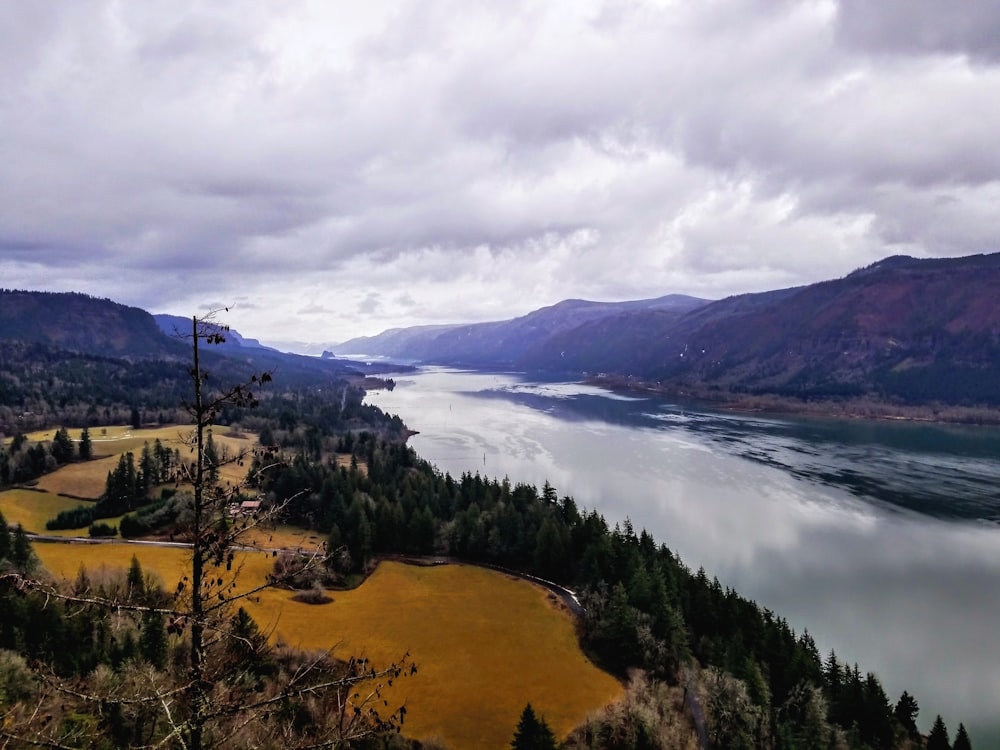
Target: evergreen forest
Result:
[331, 464]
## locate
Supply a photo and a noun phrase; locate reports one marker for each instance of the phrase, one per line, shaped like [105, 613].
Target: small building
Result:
[245, 508]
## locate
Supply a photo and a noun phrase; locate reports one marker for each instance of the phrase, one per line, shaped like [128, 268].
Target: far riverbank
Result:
[841, 408]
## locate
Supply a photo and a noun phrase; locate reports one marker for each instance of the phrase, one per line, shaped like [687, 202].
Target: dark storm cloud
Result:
[970, 27]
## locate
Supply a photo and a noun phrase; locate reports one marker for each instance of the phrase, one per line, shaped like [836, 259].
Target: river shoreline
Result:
[848, 408]
[876, 534]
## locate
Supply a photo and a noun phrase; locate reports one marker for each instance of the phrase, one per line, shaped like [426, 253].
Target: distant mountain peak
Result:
[893, 261]
[176, 325]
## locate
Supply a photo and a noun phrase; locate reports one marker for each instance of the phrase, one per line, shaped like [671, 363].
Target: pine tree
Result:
[153, 639]
[211, 458]
[163, 459]
[962, 741]
[148, 472]
[85, 447]
[62, 446]
[906, 712]
[21, 553]
[135, 580]
[938, 738]
[532, 732]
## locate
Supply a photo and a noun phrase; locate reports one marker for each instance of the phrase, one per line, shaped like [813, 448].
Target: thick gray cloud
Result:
[970, 28]
[334, 172]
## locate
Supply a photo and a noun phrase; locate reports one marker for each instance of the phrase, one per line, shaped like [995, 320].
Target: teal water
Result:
[883, 539]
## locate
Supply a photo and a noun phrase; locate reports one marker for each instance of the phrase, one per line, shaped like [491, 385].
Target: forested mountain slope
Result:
[507, 343]
[903, 330]
[74, 360]
[80, 323]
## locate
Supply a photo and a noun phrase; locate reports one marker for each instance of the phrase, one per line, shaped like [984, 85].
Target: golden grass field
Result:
[65, 560]
[85, 479]
[32, 509]
[283, 536]
[88, 479]
[117, 439]
[485, 643]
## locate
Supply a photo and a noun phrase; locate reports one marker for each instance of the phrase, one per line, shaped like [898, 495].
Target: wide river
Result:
[883, 539]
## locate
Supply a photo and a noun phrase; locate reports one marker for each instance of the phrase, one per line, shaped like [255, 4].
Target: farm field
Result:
[485, 643]
[168, 564]
[32, 509]
[117, 439]
[75, 483]
[283, 536]
[82, 480]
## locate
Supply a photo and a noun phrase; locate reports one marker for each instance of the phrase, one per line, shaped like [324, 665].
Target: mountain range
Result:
[905, 330]
[82, 325]
[71, 359]
[901, 331]
[519, 342]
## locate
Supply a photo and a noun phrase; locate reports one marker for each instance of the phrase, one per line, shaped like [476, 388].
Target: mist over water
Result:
[883, 539]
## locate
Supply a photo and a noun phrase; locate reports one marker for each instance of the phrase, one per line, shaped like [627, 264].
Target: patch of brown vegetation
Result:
[313, 596]
[652, 708]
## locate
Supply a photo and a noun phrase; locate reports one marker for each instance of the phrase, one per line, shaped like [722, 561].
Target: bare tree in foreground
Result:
[232, 688]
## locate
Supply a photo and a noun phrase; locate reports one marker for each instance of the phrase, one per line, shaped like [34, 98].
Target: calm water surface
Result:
[883, 539]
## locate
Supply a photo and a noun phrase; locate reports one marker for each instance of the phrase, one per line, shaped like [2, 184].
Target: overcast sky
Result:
[332, 170]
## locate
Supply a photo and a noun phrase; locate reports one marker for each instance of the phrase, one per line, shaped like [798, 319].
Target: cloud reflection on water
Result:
[836, 526]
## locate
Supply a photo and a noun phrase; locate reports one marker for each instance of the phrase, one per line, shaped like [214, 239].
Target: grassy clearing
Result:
[117, 439]
[86, 479]
[33, 509]
[168, 564]
[485, 643]
[344, 460]
[64, 560]
[284, 537]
